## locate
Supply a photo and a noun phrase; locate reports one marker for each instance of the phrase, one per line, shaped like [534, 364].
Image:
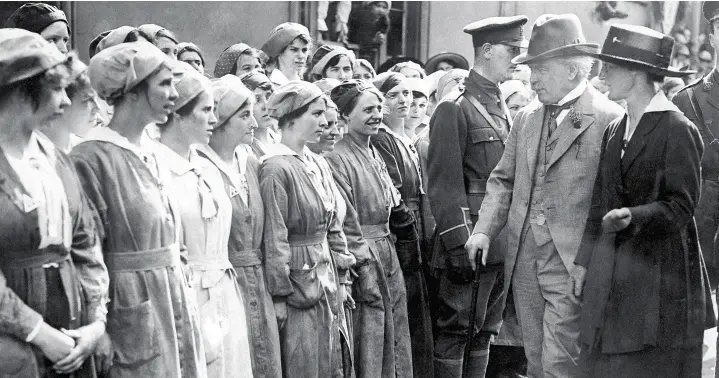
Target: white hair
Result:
[583, 65]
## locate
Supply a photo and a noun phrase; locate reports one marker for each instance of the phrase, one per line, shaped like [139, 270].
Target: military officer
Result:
[468, 132]
[699, 101]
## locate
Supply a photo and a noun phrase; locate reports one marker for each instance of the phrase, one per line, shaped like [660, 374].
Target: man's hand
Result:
[617, 220]
[477, 242]
[576, 279]
[104, 355]
[86, 339]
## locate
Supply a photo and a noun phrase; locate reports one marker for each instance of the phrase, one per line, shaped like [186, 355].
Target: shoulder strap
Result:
[480, 108]
[707, 134]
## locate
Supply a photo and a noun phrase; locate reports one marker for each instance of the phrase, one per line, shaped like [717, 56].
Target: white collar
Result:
[241, 155]
[278, 78]
[660, 103]
[574, 93]
[280, 149]
[177, 163]
[106, 134]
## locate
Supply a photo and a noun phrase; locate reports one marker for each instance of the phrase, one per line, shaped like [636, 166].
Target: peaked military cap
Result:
[495, 30]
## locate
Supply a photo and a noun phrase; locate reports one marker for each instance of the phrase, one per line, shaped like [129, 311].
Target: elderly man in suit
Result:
[541, 190]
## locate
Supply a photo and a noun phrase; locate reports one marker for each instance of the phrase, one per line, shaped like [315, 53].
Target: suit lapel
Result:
[534, 136]
[639, 140]
[567, 132]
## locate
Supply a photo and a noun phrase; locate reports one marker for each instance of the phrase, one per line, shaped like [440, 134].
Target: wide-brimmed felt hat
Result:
[640, 47]
[556, 36]
[457, 61]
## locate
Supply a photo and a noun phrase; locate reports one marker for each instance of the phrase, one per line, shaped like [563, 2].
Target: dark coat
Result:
[706, 118]
[646, 285]
[463, 150]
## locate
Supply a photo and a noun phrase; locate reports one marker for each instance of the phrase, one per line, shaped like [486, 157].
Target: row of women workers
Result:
[149, 255]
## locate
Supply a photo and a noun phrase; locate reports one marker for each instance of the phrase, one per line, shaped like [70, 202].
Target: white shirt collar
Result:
[574, 93]
[278, 78]
[177, 163]
[106, 134]
[281, 149]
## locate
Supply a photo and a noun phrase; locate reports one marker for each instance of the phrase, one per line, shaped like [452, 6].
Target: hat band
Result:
[319, 68]
[638, 54]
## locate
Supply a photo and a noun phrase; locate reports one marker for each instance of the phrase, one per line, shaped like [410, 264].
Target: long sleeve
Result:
[338, 242]
[593, 227]
[446, 190]
[495, 209]
[401, 217]
[356, 243]
[682, 182]
[16, 318]
[277, 246]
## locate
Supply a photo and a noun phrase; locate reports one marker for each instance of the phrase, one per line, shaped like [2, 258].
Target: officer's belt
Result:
[476, 186]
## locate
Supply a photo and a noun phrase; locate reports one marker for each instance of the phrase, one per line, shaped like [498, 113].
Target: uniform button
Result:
[253, 303]
[541, 174]
[248, 219]
[491, 138]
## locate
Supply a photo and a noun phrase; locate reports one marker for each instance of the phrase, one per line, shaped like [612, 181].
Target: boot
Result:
[447, 368]
[478, 360]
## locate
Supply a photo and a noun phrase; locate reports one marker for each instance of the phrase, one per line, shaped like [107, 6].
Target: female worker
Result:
[152, 319]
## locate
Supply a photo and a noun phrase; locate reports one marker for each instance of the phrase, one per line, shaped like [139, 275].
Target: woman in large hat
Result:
[646, 297]
[51, 277]
[152, 320]
[228, 150]
[446, 61]
[287, 48]
[302, 232]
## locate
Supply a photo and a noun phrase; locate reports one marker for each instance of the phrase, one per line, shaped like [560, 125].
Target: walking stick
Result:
[472, 320]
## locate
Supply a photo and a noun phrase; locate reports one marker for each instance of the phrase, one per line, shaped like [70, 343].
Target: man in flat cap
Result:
[699, 101]
[468, 131]
[541, 191]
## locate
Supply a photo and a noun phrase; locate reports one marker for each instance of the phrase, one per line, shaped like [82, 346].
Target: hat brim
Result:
[578, 49]
[669, 71]
[523, 44]
[457, 61]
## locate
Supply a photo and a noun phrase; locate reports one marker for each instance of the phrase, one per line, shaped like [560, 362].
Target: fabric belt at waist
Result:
[375, 231]
[245, 258]
[412, 204]
[208, 263]
[143, 260]
[54, 256]
[306, 240]
[476, 186]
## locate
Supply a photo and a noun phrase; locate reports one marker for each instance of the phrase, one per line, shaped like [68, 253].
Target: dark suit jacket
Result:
[646, 285]
[706, 91]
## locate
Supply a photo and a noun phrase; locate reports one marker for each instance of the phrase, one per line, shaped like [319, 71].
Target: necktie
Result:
[553, 111]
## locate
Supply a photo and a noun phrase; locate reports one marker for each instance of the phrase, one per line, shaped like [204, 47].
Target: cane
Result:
[472, 320]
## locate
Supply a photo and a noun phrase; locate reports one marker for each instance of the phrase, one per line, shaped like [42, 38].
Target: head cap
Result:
[498, 30]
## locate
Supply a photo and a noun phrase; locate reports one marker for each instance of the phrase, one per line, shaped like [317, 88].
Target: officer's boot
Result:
[444, 368]
[477, 366]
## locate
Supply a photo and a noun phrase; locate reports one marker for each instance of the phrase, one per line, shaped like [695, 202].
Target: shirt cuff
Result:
[34, 332]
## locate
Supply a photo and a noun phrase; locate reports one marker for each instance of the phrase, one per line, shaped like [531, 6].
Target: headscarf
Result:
[409, 64]
[387, 80]
[228, 59]
[189, 46]
[24, 54]
[325, 53]
[190, 85]
[152, 30]
[416, 84]
[347, 91]
[366, 64]
[116, 70]
[230, 96]
[92, 49]
[35, 17]
[455, 75]
[327, 84]
[114, 37]
[281, 37]
[255, 79]
[291, 97]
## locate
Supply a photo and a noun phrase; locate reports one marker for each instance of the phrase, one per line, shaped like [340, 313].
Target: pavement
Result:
[710, 348]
